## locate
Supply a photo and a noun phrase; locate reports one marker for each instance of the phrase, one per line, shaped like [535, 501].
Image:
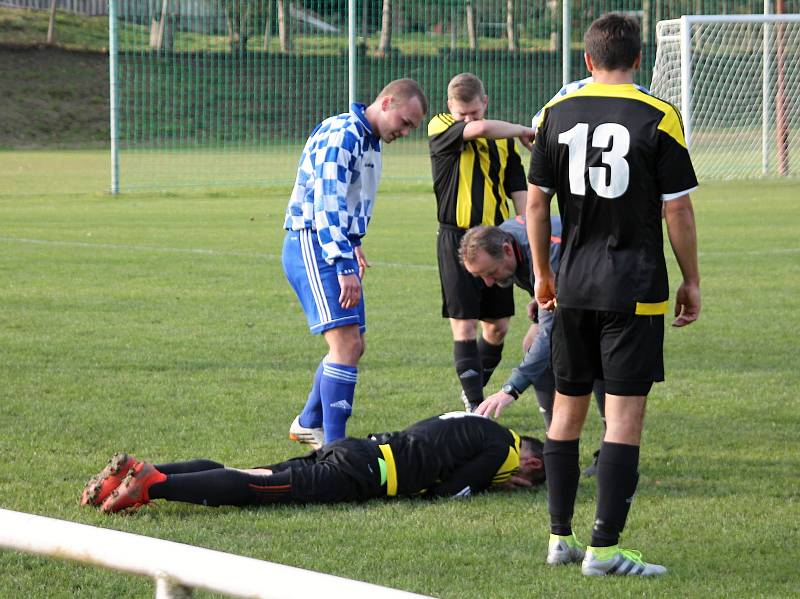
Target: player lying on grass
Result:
[452, 455]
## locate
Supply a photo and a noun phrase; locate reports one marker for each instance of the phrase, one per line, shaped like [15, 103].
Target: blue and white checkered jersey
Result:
[337, 179]
[569, 88]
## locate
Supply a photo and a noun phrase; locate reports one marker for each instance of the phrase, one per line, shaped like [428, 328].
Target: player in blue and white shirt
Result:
[328, 214]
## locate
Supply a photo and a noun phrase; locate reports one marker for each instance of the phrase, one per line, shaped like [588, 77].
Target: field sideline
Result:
[161, 324]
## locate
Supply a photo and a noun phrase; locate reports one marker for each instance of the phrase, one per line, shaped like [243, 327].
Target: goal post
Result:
[736, 80]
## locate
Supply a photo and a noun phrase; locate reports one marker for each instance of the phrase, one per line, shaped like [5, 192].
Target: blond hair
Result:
[465, 87]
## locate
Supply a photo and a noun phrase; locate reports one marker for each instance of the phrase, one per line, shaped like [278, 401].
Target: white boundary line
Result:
[207, 252]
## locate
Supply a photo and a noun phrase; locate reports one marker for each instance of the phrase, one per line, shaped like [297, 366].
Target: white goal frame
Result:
[684, 37]
[177, 568]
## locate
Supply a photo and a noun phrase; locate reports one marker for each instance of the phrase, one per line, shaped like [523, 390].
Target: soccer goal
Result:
[736, 80]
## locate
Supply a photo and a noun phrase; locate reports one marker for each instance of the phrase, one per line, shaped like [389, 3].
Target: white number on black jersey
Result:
[619, 138]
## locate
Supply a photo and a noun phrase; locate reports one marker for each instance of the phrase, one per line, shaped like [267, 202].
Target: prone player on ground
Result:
[452, 455]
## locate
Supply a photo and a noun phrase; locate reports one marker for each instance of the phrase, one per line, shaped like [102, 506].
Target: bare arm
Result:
[537, 214]
[491, 129]
[519, 199]
[679, 216]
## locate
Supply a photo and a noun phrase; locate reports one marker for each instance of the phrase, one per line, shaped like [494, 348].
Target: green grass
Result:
[161, 324]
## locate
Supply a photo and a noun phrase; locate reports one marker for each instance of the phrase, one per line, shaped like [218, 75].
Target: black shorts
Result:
[463, 296]
[345, 470]
[624, 350]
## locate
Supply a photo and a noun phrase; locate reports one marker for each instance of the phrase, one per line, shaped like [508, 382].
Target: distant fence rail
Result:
[91, 8]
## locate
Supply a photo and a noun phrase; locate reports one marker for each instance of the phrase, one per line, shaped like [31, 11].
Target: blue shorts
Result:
[317, 285]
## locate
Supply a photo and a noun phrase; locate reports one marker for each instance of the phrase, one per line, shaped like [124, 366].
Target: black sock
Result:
[563, 470]
[190, 466]
[490, 357]
[617, 476]
[469, 369]
[224, 486]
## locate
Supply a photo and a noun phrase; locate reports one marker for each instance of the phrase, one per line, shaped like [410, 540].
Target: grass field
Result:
[161, 324]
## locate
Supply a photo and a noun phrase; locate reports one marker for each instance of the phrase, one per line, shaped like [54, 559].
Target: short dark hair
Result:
[483, 237]
[536, 447]
[403, 90]
[613, 41]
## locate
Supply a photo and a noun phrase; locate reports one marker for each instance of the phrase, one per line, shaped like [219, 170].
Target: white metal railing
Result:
[177, 568]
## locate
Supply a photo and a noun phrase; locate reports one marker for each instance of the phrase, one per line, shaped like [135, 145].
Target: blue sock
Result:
[336, 389]
[311, 416]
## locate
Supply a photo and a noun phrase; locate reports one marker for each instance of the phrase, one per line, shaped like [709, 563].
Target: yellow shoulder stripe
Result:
[670, 123]
[440, 123]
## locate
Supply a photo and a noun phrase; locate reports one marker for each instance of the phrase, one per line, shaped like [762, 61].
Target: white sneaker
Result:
[313, 437]
[602, 561]
[564, 550]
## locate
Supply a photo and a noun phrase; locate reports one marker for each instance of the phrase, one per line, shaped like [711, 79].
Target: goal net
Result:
[736, 80]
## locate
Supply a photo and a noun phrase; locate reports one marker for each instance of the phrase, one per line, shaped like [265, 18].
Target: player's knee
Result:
[495, 331]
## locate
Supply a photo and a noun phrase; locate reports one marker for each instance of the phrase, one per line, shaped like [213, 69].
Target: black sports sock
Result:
[190, 466]
[469, 369]
[617, 477]
[490, 357]
[563, 470]
[224, 486]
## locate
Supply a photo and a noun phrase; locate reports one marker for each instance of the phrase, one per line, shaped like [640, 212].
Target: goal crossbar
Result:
[177, 568]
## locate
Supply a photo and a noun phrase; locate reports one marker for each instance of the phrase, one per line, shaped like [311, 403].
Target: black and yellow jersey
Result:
[612, 154]
[455, 454]
[474, 179]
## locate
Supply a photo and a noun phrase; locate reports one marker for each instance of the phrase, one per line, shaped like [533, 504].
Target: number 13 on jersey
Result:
[613, 136]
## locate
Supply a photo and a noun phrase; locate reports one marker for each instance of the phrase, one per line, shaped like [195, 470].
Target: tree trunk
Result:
[385, 45]
[453, 31]
[284, 26]
[51, 25]
[268, 25]
[473, 40]
[157, 28]
[512, 36]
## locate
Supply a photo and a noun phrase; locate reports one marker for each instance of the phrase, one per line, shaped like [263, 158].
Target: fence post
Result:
[113, 89]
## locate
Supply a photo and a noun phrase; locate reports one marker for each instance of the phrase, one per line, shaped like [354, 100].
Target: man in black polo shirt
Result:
[476, 171]
[452, 455]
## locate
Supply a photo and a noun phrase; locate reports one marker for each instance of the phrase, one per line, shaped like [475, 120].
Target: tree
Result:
[51, 25]
[284, 25]
[510, 28]
[385, 45]
[473, 40]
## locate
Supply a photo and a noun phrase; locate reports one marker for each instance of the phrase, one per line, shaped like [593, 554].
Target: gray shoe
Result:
[564, 550]
[603, 561]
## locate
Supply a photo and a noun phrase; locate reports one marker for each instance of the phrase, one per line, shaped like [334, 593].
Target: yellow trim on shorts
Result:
[646, 309]
[391, 470]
